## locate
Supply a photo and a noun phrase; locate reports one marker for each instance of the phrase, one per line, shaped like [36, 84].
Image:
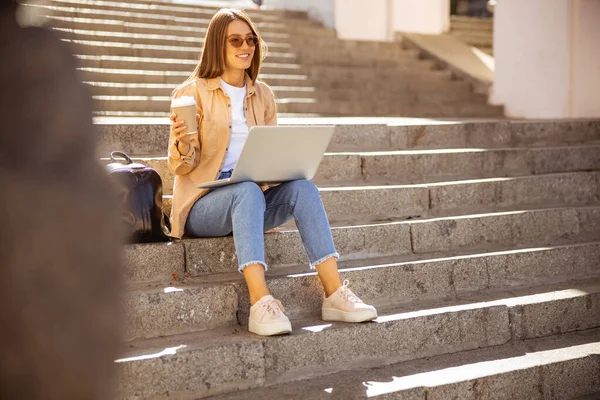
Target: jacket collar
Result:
[215, 83]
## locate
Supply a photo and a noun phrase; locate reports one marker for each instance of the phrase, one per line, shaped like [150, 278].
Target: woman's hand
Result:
[179, 132]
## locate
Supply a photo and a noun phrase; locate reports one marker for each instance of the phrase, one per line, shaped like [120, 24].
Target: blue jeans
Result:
[248, 212]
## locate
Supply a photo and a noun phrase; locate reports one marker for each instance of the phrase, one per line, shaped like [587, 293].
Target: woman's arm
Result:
[270, 107]
[184, 149]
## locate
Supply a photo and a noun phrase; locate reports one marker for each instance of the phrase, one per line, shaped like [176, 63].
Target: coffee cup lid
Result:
[183, 101]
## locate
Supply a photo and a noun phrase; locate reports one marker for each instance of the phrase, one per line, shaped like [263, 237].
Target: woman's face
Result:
[240, 57]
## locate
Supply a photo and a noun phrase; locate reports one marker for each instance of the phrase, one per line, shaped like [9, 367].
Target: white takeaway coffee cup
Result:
[185, 108]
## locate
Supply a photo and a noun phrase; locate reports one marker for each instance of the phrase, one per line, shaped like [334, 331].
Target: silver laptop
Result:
[274, 154]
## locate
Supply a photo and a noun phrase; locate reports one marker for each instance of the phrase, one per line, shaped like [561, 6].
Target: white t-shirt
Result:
[239, 125]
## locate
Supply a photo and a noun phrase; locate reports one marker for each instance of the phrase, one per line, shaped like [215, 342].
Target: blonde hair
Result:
[212, 58]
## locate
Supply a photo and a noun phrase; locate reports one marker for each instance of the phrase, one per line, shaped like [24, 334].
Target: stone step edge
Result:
[193, 304]
[139, 15]
[503, 321]
[412, 241]
[365, 264]
[152, 6]
[451, 376]
[374, 185]
[508, 298]
[454, 150]
[192, 40]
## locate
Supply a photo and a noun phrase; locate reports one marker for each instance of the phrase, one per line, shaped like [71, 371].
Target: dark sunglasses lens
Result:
[252, 41]
[236, 42]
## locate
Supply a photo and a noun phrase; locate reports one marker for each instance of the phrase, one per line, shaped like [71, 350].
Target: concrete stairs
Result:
[479, 242]
[476, 32]
[133, 54]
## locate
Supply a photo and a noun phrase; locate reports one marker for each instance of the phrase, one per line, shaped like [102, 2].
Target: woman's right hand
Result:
[179, 132]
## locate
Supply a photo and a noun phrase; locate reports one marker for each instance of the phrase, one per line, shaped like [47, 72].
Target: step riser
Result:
[476, 375]
[381, 204]
[404, 238]
[332, 94]
[166, 11]
[177, 79]
[207, 9]
[287, 26]
[151, 139]
[449, 279]
[159, 314]
[322, 73]
[558, 381]
[123, 25]
[111, 49]
[322, 80]
[298, 93]
[279, 359]
[369, 205]
[421, 168]
[188, 66]
[188, 41]
[327, 107]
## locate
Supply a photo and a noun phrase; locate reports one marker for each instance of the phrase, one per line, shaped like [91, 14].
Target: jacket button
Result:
[229, 126]
[228, 105]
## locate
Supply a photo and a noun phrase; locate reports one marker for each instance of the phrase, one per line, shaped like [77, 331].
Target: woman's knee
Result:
[303, 188]
[249, 193]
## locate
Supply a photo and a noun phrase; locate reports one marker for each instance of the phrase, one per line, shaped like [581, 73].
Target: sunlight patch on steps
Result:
[169, 351]
[508, 302]
[172, 290]
[132, 85]
[483, 369]
[440, 259]
[317, 328]
[158, 27]
[151, 36]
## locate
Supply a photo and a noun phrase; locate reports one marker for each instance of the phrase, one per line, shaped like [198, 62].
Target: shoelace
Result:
[274, 307]
[347, 294]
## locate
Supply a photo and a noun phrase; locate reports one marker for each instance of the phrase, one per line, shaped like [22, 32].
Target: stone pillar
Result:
[379, 19]
[547, 58]
[430, 17]
[364, 20]
[60, 240]
[320, 10]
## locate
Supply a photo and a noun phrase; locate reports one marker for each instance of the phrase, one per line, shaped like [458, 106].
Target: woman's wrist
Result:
[182, 147]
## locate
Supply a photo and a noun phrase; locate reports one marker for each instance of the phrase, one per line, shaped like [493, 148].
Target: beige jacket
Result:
[205, 160]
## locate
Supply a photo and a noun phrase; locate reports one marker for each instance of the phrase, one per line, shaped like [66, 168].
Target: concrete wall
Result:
[547, 58]
[531, 50]
[379, 19]
[320, 10]
[362, 20]
[423, 16]
[586, 59]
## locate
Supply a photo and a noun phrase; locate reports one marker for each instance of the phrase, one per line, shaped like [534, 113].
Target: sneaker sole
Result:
[330, 314]
[280, 328]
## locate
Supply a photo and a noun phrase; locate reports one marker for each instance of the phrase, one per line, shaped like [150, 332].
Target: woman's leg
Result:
[300, 199]
[239, 209]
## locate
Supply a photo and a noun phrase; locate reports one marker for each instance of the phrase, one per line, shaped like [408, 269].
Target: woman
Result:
[230, 100]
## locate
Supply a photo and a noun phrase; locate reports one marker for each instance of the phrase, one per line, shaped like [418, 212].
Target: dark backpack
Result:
[139, 188]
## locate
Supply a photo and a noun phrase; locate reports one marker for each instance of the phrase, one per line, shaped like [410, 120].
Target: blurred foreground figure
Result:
[59, 248]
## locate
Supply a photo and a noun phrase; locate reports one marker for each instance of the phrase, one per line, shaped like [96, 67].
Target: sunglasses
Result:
[238, 41]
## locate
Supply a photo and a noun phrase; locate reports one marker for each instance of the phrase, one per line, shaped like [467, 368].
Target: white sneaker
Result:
[267, 318]
[345, 306]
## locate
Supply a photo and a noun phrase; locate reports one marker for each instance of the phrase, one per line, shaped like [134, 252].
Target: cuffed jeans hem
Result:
[241, 267]
[313, 265]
